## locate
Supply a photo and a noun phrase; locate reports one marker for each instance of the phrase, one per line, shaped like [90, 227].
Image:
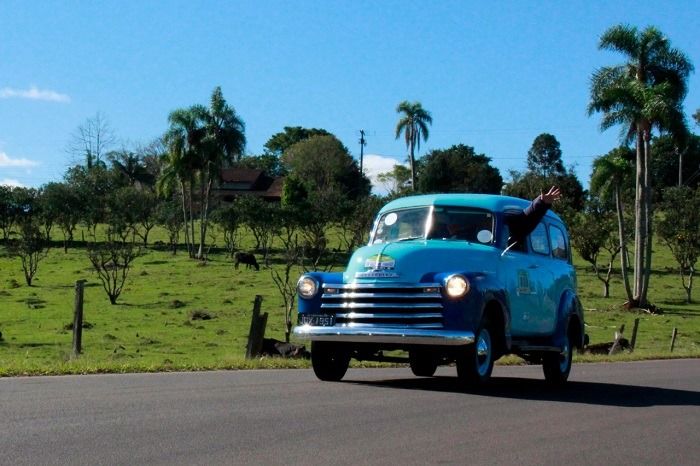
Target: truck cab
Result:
[442, 281]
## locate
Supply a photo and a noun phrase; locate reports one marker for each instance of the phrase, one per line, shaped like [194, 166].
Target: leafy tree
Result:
[169, 216]
[544, 157]
[459, 169]
[696, 117]
[260, 218]
[270, 163]
[285, 281]
[112, 261]
[642, 94]
[93, 186]
[529, 185]
[131, 168]
[62, 202]
[413, 124]
[680, 230]
[396, 181]
[132, 212]
[611, 178]
[674, 162]
[31, 248]
[594, 230]
[323, 163]
[229, 221]
[355, 225]
[278, 143]
[6, 211]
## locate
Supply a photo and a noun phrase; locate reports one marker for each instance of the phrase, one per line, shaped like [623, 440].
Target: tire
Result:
[423, 363]
[330, 361]
[475, 362]
[557, 366]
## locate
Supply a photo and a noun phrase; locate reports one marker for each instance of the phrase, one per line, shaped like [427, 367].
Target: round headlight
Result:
[307, 287]
[456, 286]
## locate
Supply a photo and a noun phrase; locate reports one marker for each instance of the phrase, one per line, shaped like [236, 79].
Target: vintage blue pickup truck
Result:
[444, 280]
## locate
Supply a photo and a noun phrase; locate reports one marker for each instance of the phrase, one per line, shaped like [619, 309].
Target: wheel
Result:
[557, 366]
[423, 363]
[329, 360]
[475, 363]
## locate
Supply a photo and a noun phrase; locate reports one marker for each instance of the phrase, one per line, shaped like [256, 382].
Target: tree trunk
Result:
[623, 245]
[184, 213]
[640, 222]
[204, 216]
[412, 161]
[649, 217]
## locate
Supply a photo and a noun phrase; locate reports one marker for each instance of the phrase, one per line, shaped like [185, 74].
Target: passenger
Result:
[522, 224]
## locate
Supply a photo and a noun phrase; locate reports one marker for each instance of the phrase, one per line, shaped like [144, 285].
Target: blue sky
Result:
[494, 75]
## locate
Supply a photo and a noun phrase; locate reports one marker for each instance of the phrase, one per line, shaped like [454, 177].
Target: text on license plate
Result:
[317, 320]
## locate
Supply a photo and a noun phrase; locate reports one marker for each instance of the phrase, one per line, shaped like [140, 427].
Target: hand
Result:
[554, 194]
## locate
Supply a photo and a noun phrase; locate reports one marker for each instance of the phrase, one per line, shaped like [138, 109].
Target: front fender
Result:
[313, 305]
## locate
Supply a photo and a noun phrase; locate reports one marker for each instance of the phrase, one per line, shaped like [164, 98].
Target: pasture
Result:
[176, 313]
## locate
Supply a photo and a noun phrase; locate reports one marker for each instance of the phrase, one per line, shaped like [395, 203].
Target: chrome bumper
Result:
[385, 335]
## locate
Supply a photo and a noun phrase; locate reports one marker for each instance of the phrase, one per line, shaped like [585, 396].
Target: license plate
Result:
[317, 320]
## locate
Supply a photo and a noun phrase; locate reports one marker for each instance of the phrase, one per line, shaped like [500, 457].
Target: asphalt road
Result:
[624, 413]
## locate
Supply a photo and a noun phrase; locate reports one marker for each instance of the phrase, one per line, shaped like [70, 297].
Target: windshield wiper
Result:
[409, 238]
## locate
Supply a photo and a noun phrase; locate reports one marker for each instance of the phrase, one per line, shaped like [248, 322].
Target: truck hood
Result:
[410, 261]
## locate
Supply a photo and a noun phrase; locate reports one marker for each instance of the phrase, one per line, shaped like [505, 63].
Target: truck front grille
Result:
[380, 305]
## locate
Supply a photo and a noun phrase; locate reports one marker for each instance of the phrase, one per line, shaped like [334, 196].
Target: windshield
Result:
[401, 225]
[438, 222]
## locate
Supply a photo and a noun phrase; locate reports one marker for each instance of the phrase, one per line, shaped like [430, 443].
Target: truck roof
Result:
[491, 202]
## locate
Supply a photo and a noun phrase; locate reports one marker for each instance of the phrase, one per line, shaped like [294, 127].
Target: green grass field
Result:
[151, 329]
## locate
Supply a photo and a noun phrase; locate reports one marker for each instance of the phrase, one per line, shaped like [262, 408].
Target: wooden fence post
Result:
[674, 334]
[78, 318]
[616, 343]
[633, 341]
[257, 330]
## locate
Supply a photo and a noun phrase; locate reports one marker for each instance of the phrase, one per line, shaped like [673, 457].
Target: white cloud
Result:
[6, 161]
[33, 93]
[373, 165]
[13, 183]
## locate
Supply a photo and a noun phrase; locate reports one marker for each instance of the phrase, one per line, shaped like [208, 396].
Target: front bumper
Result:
[385, 335]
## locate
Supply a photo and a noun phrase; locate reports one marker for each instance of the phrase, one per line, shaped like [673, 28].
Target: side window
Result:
[538, 240]
[559, 246]
[519, 246]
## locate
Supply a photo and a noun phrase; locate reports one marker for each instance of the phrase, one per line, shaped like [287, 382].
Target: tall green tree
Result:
[200, 142]
[642, 94]
[184, 140]
[413, 124]
[459, 169]
[612, 173]
[224, 144]
[280, 142]
[544, 157]
[680, 230]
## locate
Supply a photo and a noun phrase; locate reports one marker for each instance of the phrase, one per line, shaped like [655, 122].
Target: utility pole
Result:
[363, 143]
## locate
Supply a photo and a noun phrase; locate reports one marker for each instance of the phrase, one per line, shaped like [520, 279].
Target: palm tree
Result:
[185, 140]
[224, 144]
[611, 173]
[414, 126]
[643, 94]
[200, 142]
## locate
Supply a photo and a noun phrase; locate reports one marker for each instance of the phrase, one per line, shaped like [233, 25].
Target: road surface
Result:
[623, 413]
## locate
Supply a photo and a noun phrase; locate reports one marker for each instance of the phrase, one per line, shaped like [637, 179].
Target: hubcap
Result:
[564, 356]
[483, 352]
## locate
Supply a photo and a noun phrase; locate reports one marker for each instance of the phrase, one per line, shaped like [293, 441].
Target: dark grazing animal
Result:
[246, 258]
